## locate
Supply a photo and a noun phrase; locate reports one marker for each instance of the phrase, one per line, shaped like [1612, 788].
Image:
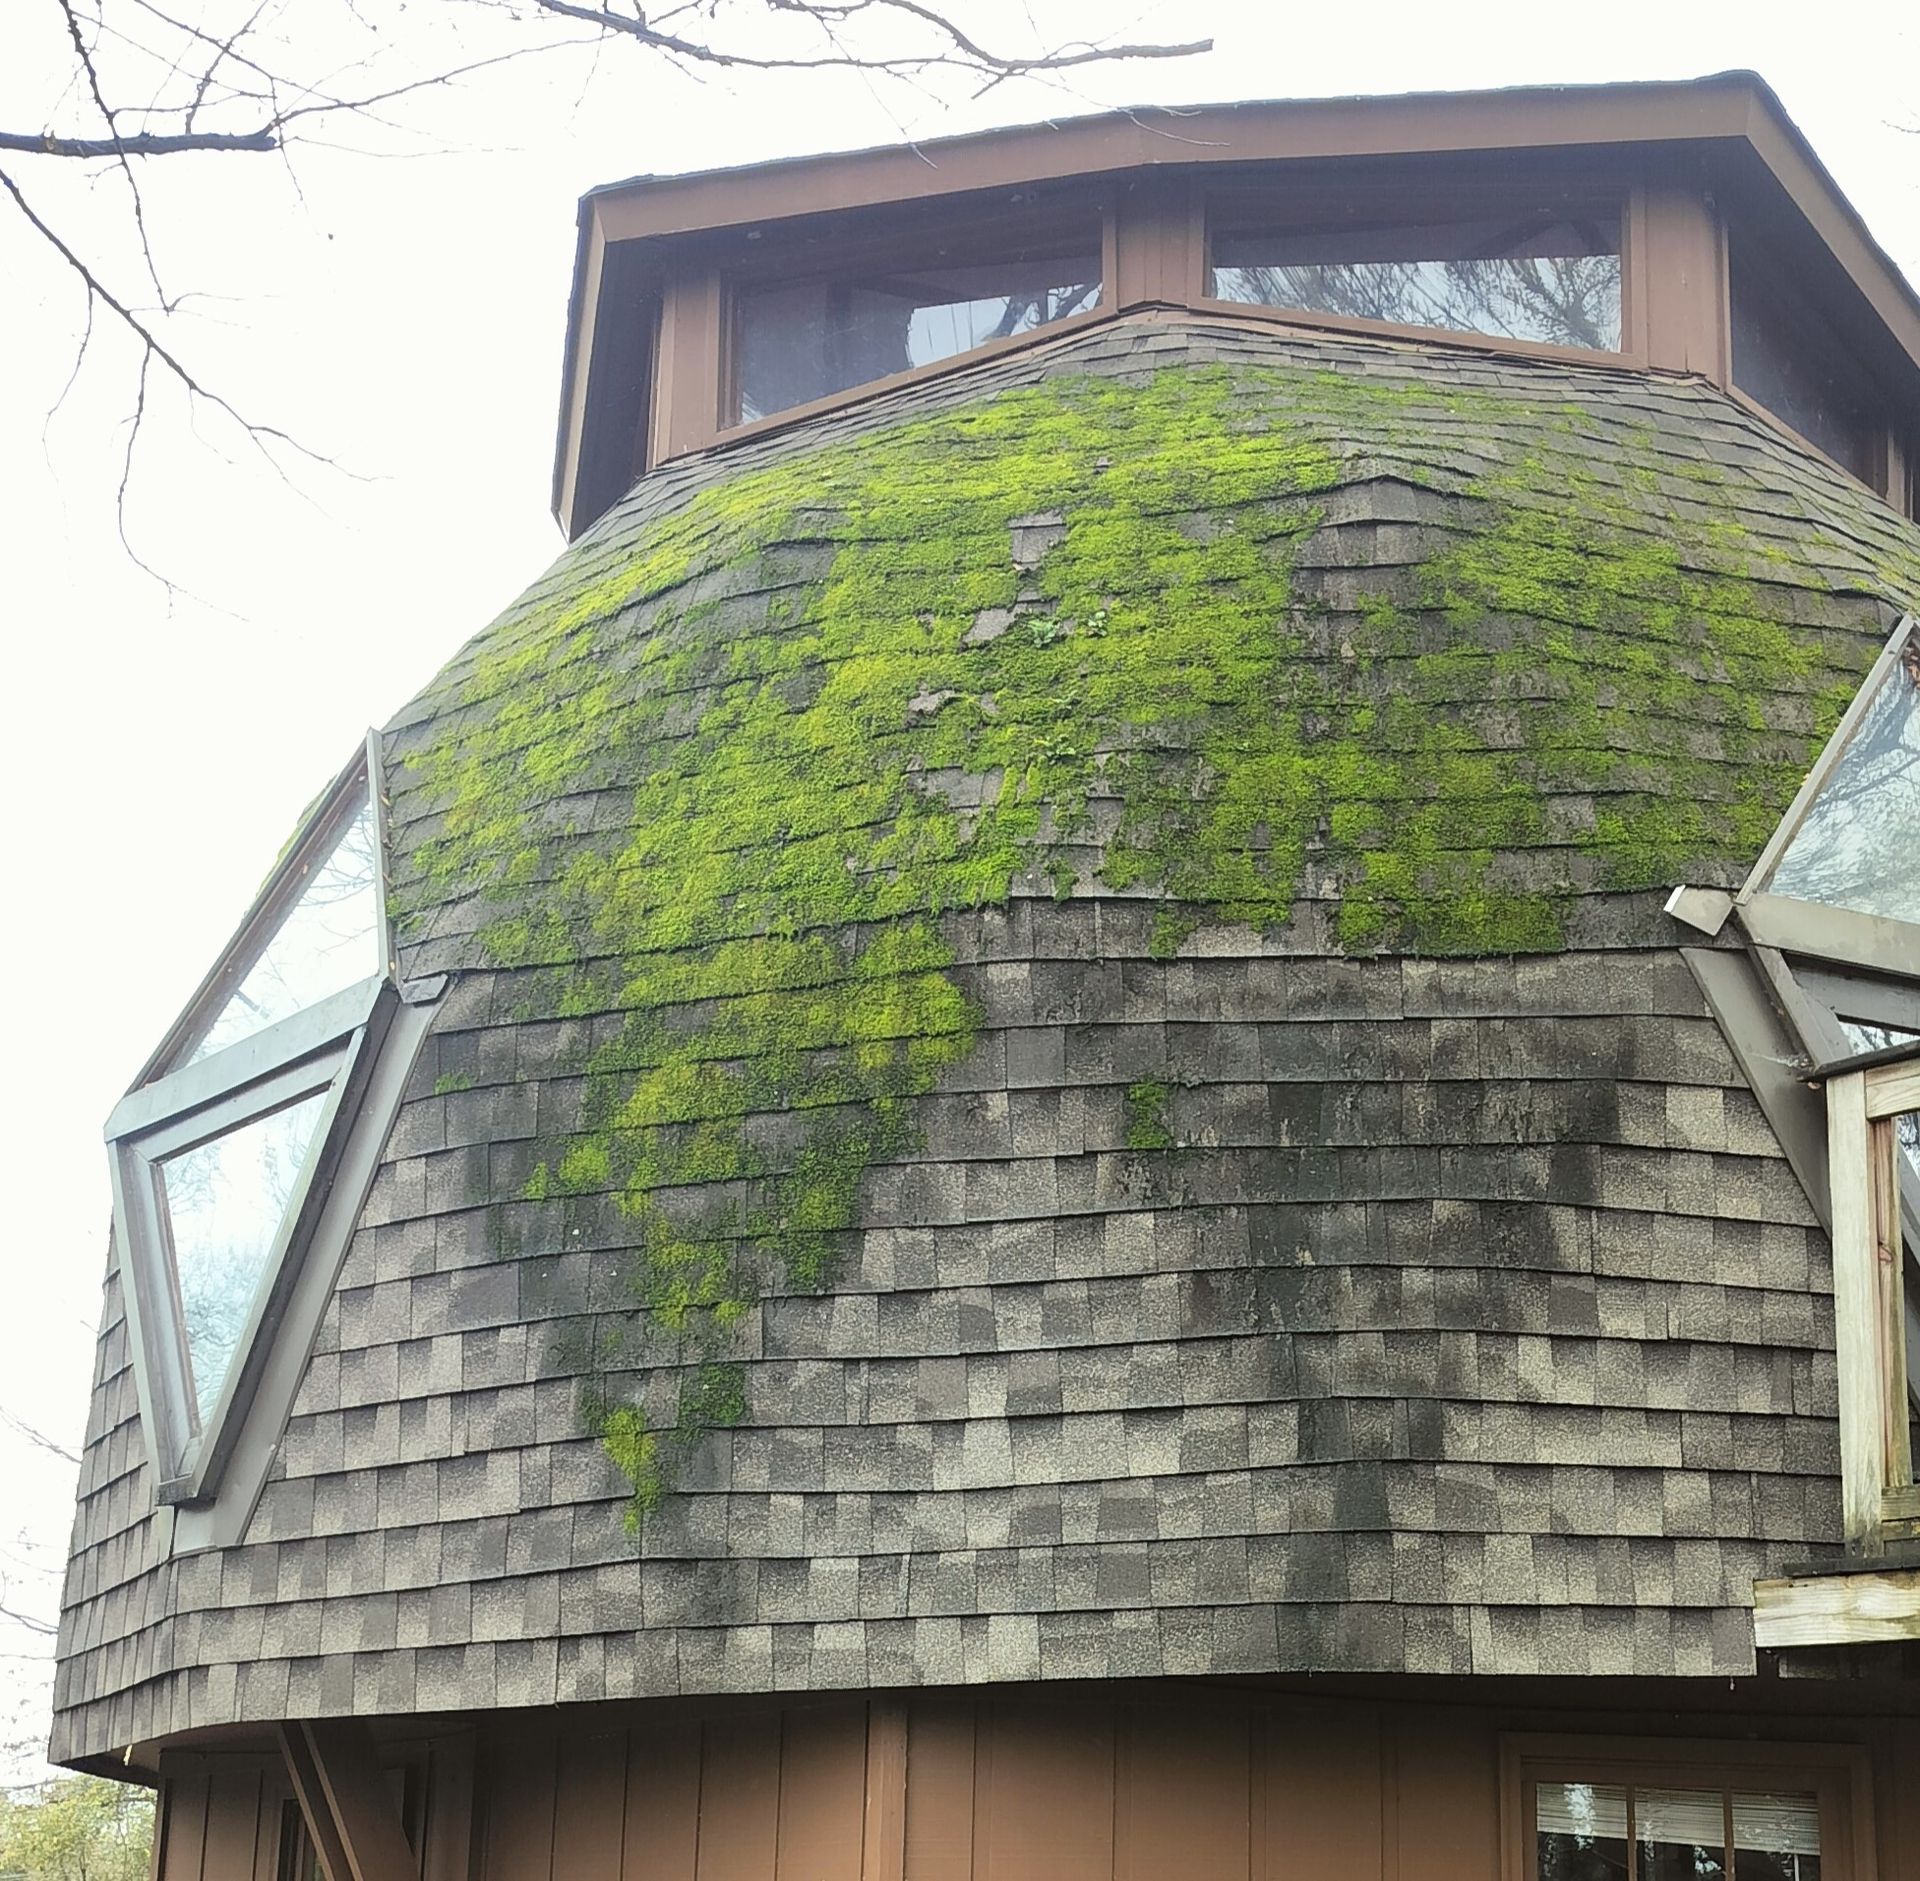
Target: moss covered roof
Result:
[1060, 971]
[1423, 652]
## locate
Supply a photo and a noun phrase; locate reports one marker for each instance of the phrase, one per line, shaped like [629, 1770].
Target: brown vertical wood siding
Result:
[1019, 1786]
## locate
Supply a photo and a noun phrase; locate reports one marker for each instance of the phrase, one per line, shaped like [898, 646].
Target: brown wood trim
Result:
[686, 380]
[1156, 261]
[449, 1838]
[579, 364]
[883, 1848]
[1681, 270]
[1804, 178]
[1547, 117]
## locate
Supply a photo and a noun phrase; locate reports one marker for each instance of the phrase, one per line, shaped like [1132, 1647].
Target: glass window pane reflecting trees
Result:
[225, 1201]
[1858, 846]
[1581, 1830]
[795, 342]
[1545, 277]
[1620, 1832]
[329, 940]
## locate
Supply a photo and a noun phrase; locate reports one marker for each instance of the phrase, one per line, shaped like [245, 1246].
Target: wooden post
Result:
[884, 1842]
[1859, 1318]
[1680, 284]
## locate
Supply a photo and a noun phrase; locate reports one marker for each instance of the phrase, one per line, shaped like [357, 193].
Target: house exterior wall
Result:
[1145, 1783]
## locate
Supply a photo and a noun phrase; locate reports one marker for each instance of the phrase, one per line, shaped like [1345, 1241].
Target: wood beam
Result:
[884, 1838]
[1838, 1609]
[343, 1794]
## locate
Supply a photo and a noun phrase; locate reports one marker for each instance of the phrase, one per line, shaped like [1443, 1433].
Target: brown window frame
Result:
[745, 260]
[1839, 1774]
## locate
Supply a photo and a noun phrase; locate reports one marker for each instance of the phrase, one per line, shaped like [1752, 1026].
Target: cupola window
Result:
[227, 1154]
[1545, 275]
[1789, 359]
[795, 342]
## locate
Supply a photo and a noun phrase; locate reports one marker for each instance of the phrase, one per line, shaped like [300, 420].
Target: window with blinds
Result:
[1633, 1832]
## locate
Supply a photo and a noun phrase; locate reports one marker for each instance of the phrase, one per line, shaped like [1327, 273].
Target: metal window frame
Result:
[176, 1103]
[1857, 939]
[359, 780]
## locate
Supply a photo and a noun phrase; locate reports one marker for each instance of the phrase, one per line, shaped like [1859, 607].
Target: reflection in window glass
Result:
[807, 341]
[1859, 845]
[329, 940]
[1776, 1838]
[1682, 1835]
[224, 1203]
[1581, 1831]
[1544, 276]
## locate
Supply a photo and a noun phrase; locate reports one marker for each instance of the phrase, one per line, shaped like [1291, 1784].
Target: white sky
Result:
[404, 315]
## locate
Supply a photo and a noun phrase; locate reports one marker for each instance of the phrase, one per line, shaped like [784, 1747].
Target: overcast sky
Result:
[404, 315]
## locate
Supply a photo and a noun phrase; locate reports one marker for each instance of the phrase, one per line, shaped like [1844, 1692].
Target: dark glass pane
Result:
[1857, 846]
[807, 341]
[329, 940]
[1776, 1838]
[1797, 370]
[1581, 1832]
[225, 1201]
[1541, 276]
[1682, 1834]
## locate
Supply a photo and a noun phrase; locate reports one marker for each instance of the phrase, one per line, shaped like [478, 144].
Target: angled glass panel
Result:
[328, 940]
[1858, 846]
[225, 1201]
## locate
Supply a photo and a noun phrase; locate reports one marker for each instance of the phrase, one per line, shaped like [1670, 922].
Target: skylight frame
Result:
[178, 1102]
[187, 1451]
[1814, 929]
[327, 821]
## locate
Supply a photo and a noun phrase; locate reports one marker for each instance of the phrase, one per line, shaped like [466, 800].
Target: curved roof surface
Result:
[1063, 1039]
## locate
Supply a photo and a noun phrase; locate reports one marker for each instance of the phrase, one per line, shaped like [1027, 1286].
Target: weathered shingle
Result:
[1277, 1304]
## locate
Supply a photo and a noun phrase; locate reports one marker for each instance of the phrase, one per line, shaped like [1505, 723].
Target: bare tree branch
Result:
[154, 79]
[140, 143]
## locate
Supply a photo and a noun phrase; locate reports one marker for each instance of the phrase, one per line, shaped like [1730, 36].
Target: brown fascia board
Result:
[1736, 111]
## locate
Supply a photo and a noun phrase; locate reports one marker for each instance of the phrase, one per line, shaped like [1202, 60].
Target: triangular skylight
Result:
[328, 939]
[225, 1201]
[226, 1150]
[1857, 843]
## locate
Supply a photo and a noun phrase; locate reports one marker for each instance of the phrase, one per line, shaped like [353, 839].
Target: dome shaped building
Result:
[1132, 1093]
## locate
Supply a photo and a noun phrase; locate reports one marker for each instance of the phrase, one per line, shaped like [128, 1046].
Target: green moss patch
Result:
[827, 707]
